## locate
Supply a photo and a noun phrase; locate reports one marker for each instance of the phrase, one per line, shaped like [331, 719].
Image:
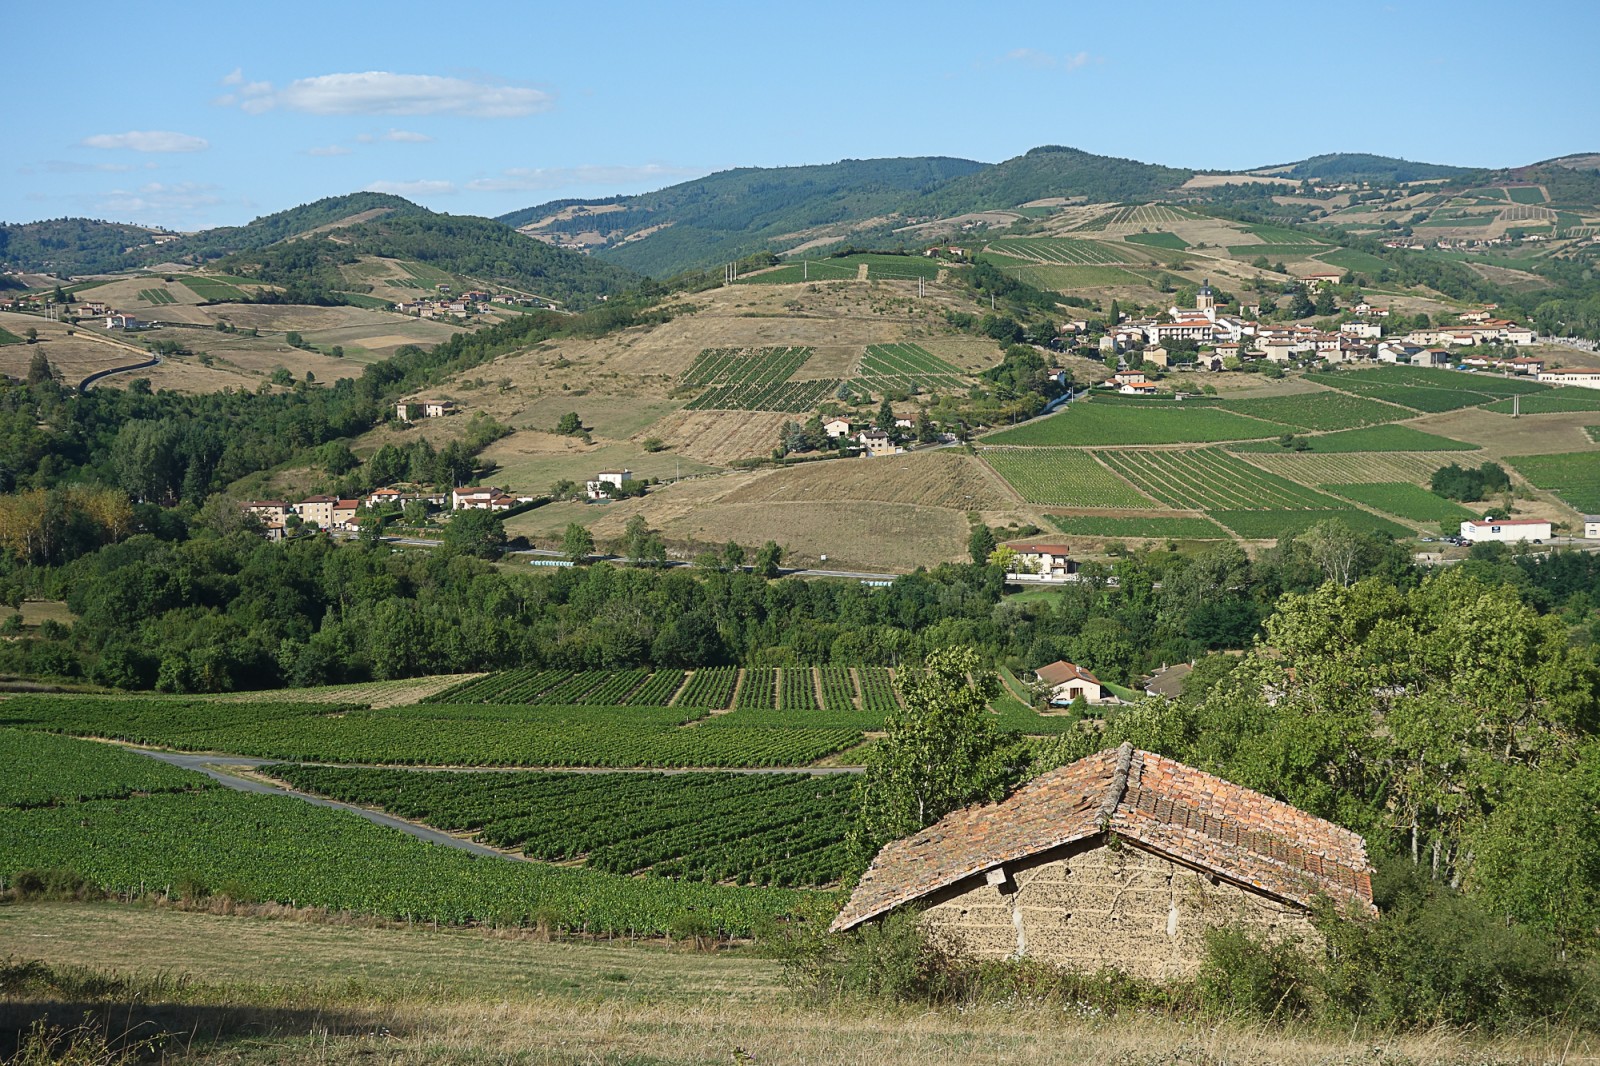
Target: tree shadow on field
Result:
[44, 1008]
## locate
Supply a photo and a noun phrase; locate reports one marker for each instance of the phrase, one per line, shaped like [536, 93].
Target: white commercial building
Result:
[1585, 379]
[1505, 529]
[1591, 527]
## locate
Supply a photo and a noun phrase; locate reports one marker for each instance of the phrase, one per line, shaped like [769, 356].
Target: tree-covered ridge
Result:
[1362, 167]
[456, 244]
[733, 213]
[71, 245]
[1049, 171]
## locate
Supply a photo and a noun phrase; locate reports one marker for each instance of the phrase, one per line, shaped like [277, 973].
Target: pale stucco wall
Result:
[1097, 905]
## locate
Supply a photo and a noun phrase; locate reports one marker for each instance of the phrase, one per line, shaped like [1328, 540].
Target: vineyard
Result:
[158, 297]
[798, 691]
[877, 690]
[1553, 402]
[1429, 391]
[759, 689]
[838, 688]
[1403, 499]
[1322, 410]
[42, 770]
[1065, 477]
[710, 687]
[755, 379]
[1062, 251]
[1096, 423]
[1209, 479]
[906, 368]
[1387, 438]
[556, 687]
[1351, 468]
[1575, 477]
[214, 289]
[274, 848]
[761, 829]
[1177, 527]
[435, 734]
[1270, 525]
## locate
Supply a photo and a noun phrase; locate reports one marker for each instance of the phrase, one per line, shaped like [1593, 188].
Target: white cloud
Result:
[148, 141]
[328, 150]
[412, 188]
[406, 137]
[532, 179]
[157, 201]
[1032, 57]
[378, 92]
[235, 78]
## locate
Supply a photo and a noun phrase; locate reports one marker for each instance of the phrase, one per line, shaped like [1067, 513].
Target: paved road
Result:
[214, 767]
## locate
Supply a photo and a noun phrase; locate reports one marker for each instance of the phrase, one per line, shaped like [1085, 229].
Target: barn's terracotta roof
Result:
[1185, 814]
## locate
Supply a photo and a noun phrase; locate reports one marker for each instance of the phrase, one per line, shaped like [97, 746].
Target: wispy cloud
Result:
[532, 179]
[148, 141]
[158, 201]
[405, 137]
[328, 150]
[1037, 60]
[378, 92]
[412, 188]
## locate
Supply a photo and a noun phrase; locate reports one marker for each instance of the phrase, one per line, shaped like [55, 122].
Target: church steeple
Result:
[1204, 301]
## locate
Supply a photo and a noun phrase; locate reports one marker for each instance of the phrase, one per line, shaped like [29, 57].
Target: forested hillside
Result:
[1358, 166]
[1051, 171]
[736, 212]
[72, 245]
[457, 244]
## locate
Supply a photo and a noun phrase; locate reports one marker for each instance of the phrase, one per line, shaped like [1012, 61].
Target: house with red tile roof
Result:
[1066, 681]
[1123, 860]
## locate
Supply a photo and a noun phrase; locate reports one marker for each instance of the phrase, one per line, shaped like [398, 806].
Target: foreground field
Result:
[254, 991]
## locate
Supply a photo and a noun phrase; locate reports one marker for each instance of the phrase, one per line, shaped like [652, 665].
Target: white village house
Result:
[1046, 559]
[596, 489]
[1064, 682]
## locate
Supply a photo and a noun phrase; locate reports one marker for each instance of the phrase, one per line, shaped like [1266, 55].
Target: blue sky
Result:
[197, 115]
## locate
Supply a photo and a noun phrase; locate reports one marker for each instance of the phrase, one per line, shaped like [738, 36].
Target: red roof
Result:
[1174, 810]
[1061, 671]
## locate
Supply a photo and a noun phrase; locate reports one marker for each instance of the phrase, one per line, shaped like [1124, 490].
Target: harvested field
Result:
[719, 437]
[73, 358]
[927, 479]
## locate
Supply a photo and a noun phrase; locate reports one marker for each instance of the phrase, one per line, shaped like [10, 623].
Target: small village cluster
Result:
[1222, 337]
[343, 515]
[472, 302]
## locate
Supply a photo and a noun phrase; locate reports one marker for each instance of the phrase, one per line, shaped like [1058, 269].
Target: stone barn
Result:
[1123, 859]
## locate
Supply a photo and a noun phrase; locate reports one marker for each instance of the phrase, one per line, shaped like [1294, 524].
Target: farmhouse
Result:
[605, 480]
[1167, 681]
[123, 322]
[1139, 388]
[405, 410]
[836, 428]
[1067, 681]
[1506, 529]
[478, 498]
[1583, 379]
[1591, 527]
[875, 442]
[1043, 558]
[318, 509]
[1122, 860]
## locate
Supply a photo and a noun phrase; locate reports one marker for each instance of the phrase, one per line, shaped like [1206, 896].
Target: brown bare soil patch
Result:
[944, 478]
[719, 437]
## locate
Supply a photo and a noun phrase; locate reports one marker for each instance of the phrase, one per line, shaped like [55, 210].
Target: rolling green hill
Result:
[71, 245]
[736, 212]
[1047, 172]
[457, 244]
[1359, 166]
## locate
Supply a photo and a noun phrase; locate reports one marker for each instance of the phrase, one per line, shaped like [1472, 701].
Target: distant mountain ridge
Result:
[1359, 166]
[735, 212]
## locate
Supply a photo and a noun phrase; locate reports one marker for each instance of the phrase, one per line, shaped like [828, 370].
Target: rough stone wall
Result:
[1097, 905]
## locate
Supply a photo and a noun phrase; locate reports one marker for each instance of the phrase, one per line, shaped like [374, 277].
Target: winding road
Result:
[217, 767]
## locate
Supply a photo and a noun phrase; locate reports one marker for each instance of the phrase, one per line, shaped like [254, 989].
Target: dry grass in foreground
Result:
[262, 991]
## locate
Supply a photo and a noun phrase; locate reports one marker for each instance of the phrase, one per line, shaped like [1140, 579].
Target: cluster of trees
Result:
[1469, 484]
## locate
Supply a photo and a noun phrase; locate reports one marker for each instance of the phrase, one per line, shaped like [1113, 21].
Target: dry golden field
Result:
[250, 991]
